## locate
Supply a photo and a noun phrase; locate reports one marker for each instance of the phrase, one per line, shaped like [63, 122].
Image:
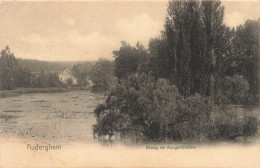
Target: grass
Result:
[19, 91]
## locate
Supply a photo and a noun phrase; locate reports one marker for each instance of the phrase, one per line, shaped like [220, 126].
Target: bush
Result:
[229, 124]
[250, 126]
[154, 110]
[194, 118]
[102, 75]
[236, 90]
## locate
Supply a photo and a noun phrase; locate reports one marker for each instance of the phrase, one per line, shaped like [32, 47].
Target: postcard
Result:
[140, 83]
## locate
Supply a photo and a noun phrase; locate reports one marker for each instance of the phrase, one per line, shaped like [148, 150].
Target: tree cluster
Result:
[197, 52]
[178, 88]
[149, 109]
[13, 75]
[81, 71]
[102, 75]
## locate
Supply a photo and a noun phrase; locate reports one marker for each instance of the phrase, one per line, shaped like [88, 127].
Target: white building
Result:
[90, 83]
[67, 74]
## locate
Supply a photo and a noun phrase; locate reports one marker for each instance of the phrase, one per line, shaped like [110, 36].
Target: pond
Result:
[60, 117]
[50, 117]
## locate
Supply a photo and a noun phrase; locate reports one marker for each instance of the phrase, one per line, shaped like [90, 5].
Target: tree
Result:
[24, 77]
[52, 80]
[141, 105]
[81, 72]
[69, 82]
[193, 48]
[42, 80]
[213, 16]
[236, 89]
[130, 59]
[246, 52]
[185, 39]
[195, 64]
[161, 63]
[102, 74]
[8, 69]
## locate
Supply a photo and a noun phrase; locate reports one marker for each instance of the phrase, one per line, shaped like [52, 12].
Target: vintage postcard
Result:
[136, 83]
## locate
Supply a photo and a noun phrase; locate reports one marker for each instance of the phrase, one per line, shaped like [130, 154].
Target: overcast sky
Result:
[82, 31]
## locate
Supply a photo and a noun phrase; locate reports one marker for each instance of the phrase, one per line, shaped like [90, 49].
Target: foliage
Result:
[161, 61]
[141, 105]
[48, 66]
[24, 77]
[184, 34]
[196, 50]
[246, 54]
[130, 59]
[193, 120]
[69, 82]
[236, 90]
[199, 58]
[81, 72]
[102, 74]
[154, 110]
[8, 69]
[13, 75]
[53, 80]
[250, 126]
[230, 125]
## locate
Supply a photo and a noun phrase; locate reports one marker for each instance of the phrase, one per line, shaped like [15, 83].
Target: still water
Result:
[51, 117]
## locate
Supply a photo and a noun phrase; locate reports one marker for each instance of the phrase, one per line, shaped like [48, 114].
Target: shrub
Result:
[236, 90]
[194, 118]
[153, 108]
[250, 126]
[228, 124]
[141, 105]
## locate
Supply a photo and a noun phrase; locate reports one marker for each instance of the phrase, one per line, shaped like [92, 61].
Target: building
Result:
[67, 74]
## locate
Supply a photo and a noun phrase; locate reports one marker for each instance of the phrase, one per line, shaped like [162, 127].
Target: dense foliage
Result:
[39, 65]
[180, 87]
[130, 59]
[246, 54]
[8, 69]
[196, 51]
[102, 75]
[13, 75]
[236, 90]
[150, 109]
[81, 71]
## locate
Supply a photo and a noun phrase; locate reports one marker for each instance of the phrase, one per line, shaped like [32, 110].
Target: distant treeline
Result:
[41, 74]
[14, 75]
[101, 74]
[47, 66]
[179, 87]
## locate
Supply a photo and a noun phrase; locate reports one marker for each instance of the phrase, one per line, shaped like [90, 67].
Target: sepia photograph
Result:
[135, 83]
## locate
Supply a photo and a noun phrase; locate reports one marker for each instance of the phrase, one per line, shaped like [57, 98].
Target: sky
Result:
[89, 30]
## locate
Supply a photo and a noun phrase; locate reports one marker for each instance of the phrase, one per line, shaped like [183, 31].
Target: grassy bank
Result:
[81, 88]
[19, 91]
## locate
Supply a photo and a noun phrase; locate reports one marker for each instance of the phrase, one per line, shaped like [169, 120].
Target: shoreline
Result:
[21, 91]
